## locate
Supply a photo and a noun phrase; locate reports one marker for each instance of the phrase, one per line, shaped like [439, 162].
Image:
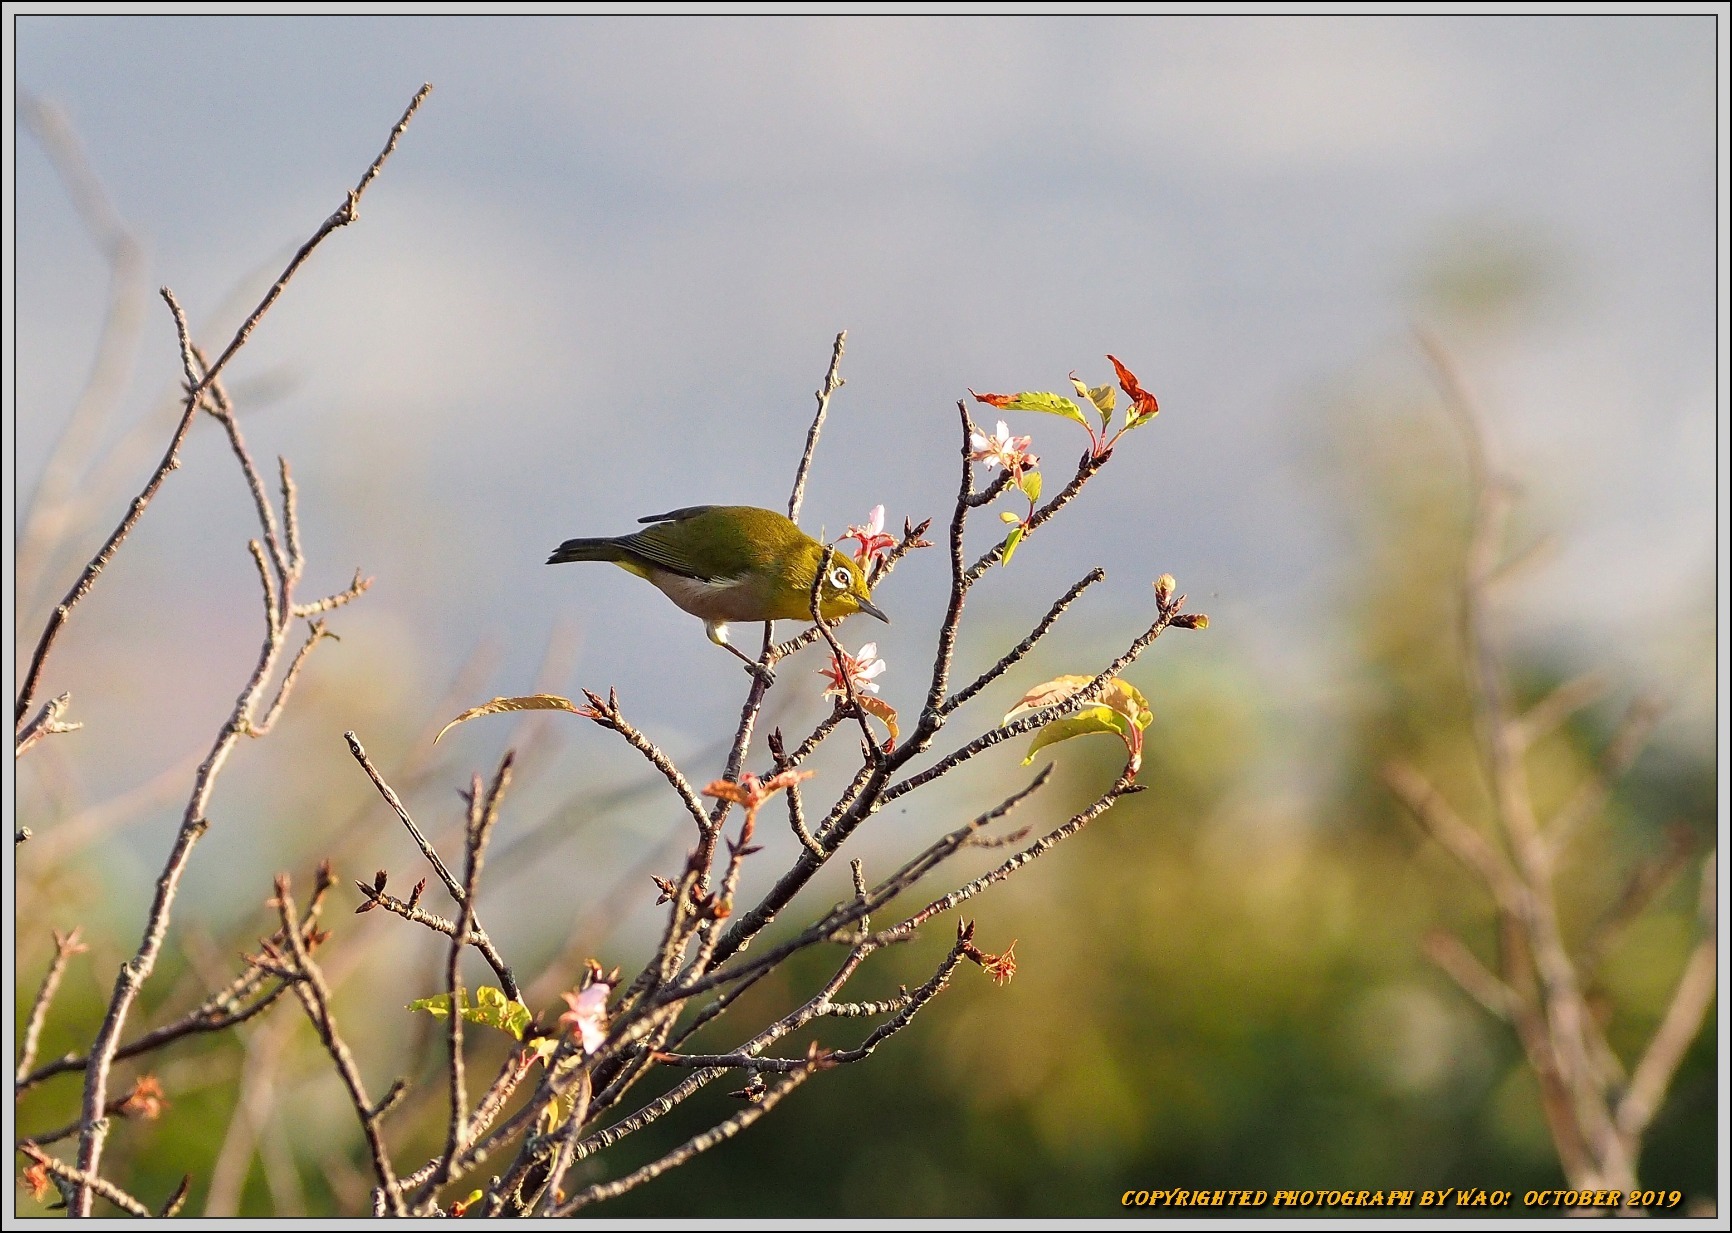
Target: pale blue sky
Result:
[601, 276]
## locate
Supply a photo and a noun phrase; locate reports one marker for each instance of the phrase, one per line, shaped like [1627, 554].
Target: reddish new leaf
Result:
[1143, 404]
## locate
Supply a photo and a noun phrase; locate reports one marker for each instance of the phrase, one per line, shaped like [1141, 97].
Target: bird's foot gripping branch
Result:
[733, 564]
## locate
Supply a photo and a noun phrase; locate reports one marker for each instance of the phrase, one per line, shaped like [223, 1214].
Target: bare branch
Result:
[1543, 717]
[1620, 754]
[84, 1181]
[1678, 1029]
[832, 382]
[606, 712]
[796, 810]
[316, 632]
[478, 935]
[1465, 843]
[1124, 785]
[351, 592]
[46, 723]
[1461, 965]
[691, 1147]
[315, 997]
[65, 946]
[1016, 653]
[483, 814]
[1645, 882]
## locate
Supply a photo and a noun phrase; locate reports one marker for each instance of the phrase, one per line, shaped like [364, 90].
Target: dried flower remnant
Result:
[145, 1100]
[1000, 967]
[37, 1181]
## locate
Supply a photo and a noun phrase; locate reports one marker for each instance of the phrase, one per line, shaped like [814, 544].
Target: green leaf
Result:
[1029, 482]
[530, 702]
[491, 1009]
[1051, 404]
[1010, 543]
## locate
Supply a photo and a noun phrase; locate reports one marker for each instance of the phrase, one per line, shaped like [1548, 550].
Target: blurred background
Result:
[600, 279]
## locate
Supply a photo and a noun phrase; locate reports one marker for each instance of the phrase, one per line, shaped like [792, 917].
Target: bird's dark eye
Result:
[839, 578]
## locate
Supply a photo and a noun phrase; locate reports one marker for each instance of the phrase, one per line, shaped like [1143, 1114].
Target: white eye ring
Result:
[839, 578]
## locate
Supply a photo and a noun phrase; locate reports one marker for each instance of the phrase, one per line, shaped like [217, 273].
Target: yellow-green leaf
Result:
[1029, 482]
[1084, 723]
[1040, 400]
[491, 1009]
[529, 702]
[1121, 709]
[1105, 398]
[1010, 543]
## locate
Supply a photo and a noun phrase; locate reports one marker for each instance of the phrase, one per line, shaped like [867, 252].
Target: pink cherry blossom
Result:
[1003, 450]
[588, 1014]
[860, 669]
[873, 542]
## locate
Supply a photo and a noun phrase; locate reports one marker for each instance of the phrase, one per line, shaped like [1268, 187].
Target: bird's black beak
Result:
[871, 609]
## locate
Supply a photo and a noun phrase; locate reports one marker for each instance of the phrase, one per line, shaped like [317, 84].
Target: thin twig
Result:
[1678, 1029]
[65, 946]
[1452, 957]
[316, 632]
[483, 814]
[1543, 717]
[1125, 784]
[1016, 653]
[832, 382]
[796, 809]
[691, 1147]
[46, 723]
[216, 1014]
[478, 935]
[1084, 472]
[315, 997]
[1620, 754]
[84, 1181]
[1466, 844]
[1039, 719]
[606, 713]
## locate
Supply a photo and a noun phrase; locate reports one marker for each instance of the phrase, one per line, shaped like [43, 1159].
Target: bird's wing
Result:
[677, 515]
[681, 550]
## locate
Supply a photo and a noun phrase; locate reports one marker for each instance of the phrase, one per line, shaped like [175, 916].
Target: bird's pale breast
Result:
[721, 599]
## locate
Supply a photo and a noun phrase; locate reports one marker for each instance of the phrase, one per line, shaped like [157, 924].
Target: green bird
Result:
[733, 563]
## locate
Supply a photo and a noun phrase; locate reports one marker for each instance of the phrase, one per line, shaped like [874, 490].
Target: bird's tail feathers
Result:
[601, 549]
